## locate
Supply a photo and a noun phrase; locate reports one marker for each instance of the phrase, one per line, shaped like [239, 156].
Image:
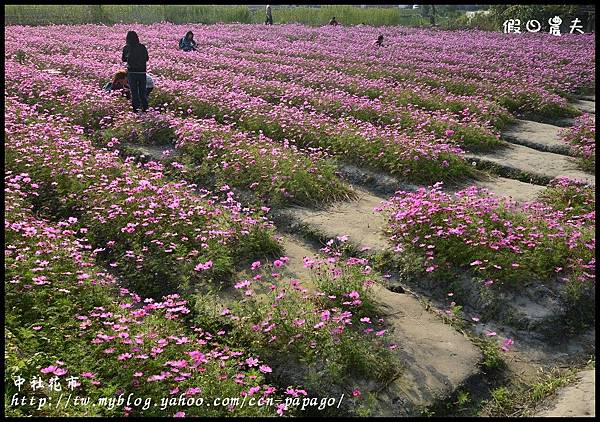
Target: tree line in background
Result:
[445, 16]
[499, 13]
[207, 14]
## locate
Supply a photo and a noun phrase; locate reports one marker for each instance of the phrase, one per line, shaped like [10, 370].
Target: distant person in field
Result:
[379, 42]
[269, 20]
[187, 43]
[136, 56]
[119, 83]
[333, 22]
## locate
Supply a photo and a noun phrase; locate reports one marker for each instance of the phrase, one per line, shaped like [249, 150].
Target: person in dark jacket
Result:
[379, 42]
[333, 22]
[187, 43]
[136, 56]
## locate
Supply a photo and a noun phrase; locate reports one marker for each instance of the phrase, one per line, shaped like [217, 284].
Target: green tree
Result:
[97, 14]
[541, 13]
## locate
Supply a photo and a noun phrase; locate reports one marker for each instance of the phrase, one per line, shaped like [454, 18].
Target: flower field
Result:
[582, 138]
[165, 276]
[504, 244]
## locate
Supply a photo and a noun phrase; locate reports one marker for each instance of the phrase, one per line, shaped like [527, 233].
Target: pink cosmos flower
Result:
[205, 266]
[242, 284]
[308, 263]
[253, 390]
[265, 369]
[192, 391]
[59, 372]
[48, 369]
[281, 408]
[252, 362]
[506, 344]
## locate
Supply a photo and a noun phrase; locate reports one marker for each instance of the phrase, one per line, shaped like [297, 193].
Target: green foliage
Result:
[347, 15]
[521, 399]
[289, 321]
[492, 357]
[463, 398]
[207, 14]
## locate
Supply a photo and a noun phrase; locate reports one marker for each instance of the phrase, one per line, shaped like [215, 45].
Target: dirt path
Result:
[437, 359]
[537, 149]
[515, 189]
[575, 400]
[355, 219]
[540, 136]
[546, 165]
[586, 106]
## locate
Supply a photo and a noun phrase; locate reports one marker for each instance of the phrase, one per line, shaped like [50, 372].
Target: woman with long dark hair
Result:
[187, 43]
[136, 56]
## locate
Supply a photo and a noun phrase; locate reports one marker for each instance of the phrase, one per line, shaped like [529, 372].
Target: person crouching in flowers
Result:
[187, 43]
[379, 42]
[149, 84]
[119, 83]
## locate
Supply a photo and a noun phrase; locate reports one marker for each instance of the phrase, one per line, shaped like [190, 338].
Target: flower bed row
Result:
[582, 138]
[420, 157]
[212, 154]
[143, 224]
[68, 324]
[502, 244]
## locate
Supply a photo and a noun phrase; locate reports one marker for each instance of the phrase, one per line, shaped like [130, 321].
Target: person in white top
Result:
[149, 84]
[269, 20]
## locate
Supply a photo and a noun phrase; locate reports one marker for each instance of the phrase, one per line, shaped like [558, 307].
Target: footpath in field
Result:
[575, 400]
[437, 359]
[536, 135]
[537, 150]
